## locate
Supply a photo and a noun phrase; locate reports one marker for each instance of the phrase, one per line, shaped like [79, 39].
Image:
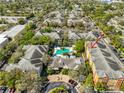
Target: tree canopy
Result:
[100, 86]
[60, 89]
[122, 87]
[79, 45]
[30, 26]
[20, 80]
[21, 21]
[47, 30]
[41, 40]
[89, 81]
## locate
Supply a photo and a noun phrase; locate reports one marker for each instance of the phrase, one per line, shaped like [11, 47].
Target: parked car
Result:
[7, 91]
[73, 83]
[12, 90]
[2, 63]
[3, 89]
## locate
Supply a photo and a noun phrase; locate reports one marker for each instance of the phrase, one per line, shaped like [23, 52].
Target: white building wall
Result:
[3, 40]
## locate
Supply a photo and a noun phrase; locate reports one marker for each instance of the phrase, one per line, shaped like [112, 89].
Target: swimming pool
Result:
[62, 51]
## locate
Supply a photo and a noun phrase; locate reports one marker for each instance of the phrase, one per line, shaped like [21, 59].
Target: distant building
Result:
[54, 19]
[73, 36]
[110, 92]
[87, 36]
[111, 1]
[74, 22]
[106, 66]
[52, 35]
[53, 22]
[7, 0]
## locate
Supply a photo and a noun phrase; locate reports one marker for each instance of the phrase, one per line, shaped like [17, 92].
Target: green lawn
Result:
[60, 89]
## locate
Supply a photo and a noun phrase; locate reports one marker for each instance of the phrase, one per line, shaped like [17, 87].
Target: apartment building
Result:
[106, 66]
[14, 31]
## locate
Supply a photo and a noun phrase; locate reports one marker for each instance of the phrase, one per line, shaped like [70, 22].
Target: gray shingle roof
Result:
[88, 35]
[27, 66]
[32, 59]
[101, 73]
[35, 51]
[73, 35]
[38, 34]
[105, 61]
[14, 31]
[11, 67]
[53, 35]
[70, 63]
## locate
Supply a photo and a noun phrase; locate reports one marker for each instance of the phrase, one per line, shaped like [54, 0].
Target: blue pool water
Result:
[62, 51]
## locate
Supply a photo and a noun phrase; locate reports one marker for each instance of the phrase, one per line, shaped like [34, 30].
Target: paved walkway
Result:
[59, 78]
[57, 84]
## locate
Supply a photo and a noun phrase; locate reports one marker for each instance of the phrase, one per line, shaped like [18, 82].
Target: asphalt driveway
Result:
[57, 84]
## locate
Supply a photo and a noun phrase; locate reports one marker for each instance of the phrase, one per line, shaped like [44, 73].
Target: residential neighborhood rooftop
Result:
[32, 59]
[69, 63]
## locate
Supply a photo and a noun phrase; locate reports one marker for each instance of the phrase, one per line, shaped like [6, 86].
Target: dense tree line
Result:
[20, 80]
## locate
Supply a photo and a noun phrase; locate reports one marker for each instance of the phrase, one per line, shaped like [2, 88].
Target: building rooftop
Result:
[27, 65]
[14, 31]
[3, 40]
[89, 35]
[70, 63]
[12, 17]
[73, 35]
[106, 62]
[111, 1]
[32, 59]
[35, 51]
[53, 35]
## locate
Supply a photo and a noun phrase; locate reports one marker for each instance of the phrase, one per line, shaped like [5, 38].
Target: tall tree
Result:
[100, 86]
[79, 45]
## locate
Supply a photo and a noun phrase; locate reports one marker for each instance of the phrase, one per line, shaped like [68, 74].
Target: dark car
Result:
[3, 89]
[73, 83]
[2, 63]
[9, 90]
